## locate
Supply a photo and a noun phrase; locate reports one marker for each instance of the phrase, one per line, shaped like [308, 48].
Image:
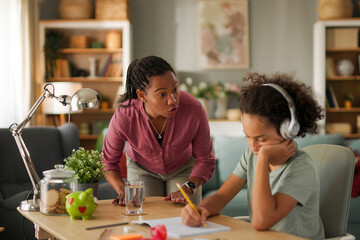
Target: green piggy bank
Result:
[81, 204]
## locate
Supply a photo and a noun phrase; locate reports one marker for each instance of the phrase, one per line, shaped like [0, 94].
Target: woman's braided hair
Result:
[138, 76]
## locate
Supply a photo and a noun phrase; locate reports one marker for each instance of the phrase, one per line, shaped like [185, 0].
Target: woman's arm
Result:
[268, 209]
[115, 180]
[213, 204]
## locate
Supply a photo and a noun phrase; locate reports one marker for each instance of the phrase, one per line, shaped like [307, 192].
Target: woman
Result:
[167, 135]
[283, 184]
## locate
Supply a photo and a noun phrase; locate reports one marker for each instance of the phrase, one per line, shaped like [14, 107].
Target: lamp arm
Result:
[45, 94]
[25, 155]
[29, 165]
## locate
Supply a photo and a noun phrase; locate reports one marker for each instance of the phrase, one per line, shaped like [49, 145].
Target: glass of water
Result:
[134, 194]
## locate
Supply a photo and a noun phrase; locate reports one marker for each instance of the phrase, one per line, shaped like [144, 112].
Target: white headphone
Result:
[288, 129]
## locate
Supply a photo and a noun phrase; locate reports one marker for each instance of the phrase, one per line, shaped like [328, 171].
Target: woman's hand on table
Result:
[177, 196]
[120, 199]
[190, 218]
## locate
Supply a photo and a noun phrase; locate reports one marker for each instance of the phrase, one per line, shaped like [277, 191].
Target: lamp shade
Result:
[85, 98]
[50, 106]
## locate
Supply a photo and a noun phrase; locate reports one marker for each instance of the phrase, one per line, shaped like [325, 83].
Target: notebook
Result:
[176, 229]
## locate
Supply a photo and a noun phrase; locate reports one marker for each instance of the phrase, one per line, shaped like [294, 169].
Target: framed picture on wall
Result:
[223, 34]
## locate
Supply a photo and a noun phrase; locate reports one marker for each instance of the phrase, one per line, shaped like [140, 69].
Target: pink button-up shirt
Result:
[186, 134]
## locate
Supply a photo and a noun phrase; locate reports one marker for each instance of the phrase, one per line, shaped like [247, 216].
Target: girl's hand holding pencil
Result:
[192, 215]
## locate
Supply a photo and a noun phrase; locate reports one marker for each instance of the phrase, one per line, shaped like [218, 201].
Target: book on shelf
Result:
[331, 98]
[330, 67]
[116, 65]
[65, 69]
[105, 66]
[112, 66]
[61, 68]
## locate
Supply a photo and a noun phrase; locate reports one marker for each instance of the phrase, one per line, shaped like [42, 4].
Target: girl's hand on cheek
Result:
[277, 154]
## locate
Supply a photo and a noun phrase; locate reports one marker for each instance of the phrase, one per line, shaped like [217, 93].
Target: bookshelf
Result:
[108, 86]
[341, 85]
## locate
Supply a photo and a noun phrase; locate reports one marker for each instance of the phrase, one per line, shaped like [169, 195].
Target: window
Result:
[14, 61]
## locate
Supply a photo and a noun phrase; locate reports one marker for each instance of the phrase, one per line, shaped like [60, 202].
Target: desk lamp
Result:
[53, 108]
[82, 99]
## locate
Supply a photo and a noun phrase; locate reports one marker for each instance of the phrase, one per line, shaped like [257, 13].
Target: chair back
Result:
[335, 165]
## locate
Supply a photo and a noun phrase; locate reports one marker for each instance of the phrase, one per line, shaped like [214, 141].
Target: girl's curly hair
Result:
[269, 103]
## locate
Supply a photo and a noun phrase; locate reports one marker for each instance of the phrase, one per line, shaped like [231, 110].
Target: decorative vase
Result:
[94, 186]
[211, 104]
[113, 39]
[92, 67]
[221, 107]
[204, 103]
[345, 67]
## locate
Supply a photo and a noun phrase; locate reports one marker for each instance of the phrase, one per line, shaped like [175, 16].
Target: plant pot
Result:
[348, 104]
[94, 186]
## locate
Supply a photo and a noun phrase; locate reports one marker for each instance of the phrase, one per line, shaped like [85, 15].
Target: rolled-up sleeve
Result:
[113, 145]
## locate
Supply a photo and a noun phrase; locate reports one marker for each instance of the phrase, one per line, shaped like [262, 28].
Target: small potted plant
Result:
[105, 102]
[348, 100]
[52, 49]
[88, 168]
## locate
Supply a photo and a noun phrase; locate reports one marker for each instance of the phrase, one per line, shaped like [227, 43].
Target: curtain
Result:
[15, 60]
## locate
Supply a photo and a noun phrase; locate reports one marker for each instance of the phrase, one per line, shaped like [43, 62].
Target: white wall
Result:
[280, 37]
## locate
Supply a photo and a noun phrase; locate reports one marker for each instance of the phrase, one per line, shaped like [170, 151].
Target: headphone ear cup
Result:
[287, 131]
[284, 129]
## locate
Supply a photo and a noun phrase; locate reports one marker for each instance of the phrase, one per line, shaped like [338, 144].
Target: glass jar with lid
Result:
[54, 187]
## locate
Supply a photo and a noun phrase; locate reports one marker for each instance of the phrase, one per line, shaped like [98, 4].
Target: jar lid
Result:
[59, 172]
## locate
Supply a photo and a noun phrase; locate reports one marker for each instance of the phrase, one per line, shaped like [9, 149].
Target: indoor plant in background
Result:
[203, 92]
[88, 168]
[348, 100]
[53, 44]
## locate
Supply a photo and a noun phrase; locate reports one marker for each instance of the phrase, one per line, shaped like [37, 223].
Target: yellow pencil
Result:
[189, 201]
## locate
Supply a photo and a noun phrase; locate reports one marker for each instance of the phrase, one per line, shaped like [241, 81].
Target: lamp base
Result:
[30, 206]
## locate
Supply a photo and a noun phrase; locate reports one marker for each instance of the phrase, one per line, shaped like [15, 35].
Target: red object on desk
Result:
[127, 237]
[158, 232]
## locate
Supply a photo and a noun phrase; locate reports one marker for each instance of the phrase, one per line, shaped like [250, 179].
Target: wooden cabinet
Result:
[107, 86]
[326, 57]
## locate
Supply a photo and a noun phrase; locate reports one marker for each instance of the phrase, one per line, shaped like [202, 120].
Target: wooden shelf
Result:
[87, 79]
[342, 50]
[91, 50]
[89, 137]
[96, 111]
[109, 87]
[343, 78]
[343, 110]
